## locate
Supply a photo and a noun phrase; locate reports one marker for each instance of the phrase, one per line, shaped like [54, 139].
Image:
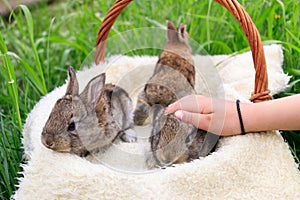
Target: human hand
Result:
[214, 115]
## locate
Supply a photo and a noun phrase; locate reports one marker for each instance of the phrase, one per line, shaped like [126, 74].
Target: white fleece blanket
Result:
[254, 166]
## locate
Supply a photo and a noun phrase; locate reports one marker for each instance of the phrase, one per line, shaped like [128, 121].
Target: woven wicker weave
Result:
[261, 91]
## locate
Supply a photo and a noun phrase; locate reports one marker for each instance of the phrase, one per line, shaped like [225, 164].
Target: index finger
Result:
[189, 103]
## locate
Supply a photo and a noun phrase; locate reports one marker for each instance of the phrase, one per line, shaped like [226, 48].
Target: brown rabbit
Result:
[175, 142]
[91, 121]
[173, 76]
[172, 141]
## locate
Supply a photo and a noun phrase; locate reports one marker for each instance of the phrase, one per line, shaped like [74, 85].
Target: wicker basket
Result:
[261, 91]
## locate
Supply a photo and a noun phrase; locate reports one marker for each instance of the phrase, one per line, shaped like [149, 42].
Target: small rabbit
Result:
[91, 121]
[172, 141]
[173, 76]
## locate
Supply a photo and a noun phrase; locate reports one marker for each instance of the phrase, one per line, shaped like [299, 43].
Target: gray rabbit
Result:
[171, 140]
[91, 121]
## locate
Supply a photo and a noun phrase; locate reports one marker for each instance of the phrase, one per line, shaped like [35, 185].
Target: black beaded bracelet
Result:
[240, 116]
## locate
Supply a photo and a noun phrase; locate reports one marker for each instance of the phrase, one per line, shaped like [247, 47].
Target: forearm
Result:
[279, 114]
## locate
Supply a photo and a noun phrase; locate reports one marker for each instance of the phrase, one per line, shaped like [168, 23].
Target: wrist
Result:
[232, 123]
[249, 117]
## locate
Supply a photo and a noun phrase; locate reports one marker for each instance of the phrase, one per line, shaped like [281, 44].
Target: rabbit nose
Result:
[166, 159]
[48, 142]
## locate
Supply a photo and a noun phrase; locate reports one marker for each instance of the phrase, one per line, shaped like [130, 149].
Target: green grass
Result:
[36, 50]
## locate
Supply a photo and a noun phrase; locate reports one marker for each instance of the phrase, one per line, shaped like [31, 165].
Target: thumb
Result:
[198, 120]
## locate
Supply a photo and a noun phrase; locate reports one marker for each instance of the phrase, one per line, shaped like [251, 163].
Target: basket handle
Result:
[261, 91]
[104, 29]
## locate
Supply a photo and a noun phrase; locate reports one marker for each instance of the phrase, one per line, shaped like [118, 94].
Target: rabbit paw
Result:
[129, 136]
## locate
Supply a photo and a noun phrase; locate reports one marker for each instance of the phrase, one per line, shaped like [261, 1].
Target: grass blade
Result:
[69, 43]
[29, 23]
[11, 80]
[293, 36]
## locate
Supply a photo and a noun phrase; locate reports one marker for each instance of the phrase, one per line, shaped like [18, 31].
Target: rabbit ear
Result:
[172, 31]
[73, 88]
[93, 89]
[182, 33]
[171, 25]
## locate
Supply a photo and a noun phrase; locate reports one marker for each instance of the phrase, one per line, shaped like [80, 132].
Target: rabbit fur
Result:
[91, 121]
[172, 141]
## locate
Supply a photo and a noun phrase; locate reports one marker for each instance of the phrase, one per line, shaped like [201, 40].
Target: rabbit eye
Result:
[71, 126]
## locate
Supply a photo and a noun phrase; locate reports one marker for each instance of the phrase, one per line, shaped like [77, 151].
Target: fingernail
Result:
[179, 114]
[167, 109]
[167, 112]
[169, 106]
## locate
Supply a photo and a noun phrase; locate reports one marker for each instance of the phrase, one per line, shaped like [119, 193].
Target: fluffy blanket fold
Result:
[254, 166]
